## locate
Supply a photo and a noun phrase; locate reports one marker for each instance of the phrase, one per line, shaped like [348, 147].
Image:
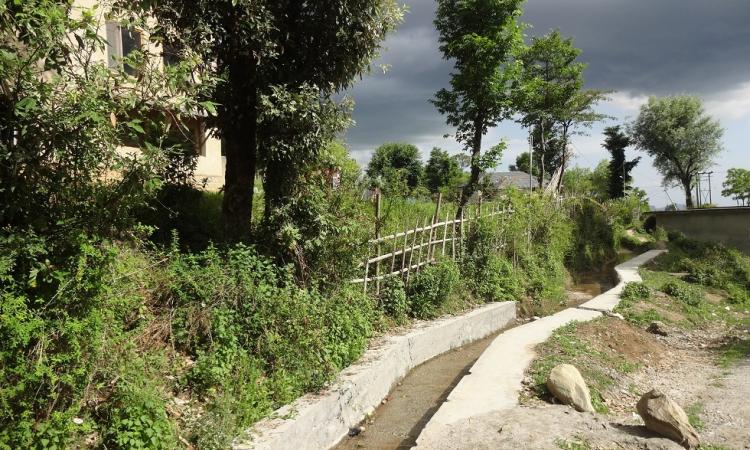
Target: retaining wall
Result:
[319, 421]
[730, 226]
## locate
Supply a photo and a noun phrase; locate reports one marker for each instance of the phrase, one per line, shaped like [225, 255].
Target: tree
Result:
[737, 185]
[552, 100]
[680, 137]
[441, 171]
[581, 181]
[619, 168]
[523, 162]
[398, 166]
[279, 63]
[481, 38]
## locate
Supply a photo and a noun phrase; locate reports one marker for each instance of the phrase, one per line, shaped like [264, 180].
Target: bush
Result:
[393, 300]
[431, 288]
[683, 292]
[635, 291]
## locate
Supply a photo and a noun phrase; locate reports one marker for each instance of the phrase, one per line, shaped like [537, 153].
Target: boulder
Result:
[567, 385]
[665, 417]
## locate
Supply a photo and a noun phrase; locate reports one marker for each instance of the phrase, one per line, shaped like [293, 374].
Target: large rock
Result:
[567, 385]
[665, 417]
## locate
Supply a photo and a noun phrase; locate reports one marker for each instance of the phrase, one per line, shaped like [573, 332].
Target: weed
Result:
[694, 415]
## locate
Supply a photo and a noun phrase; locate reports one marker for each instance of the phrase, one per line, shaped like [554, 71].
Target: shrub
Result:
[393, 300]
[430, 288]
[635, 291]
[683, 292]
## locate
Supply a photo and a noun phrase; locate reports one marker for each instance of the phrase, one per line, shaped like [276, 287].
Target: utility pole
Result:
[698, 192]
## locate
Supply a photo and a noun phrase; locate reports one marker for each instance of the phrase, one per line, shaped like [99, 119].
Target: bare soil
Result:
[682, 364]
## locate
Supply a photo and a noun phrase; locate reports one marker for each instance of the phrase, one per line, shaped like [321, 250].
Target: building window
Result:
[121, 42]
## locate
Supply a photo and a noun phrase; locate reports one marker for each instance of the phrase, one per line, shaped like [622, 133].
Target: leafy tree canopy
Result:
[680, 137]
[481, 37]
[616, 142]
[737, 185]
[279, 62]
[397, 167]
[441, 171]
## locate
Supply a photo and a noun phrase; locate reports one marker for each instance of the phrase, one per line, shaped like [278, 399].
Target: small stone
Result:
[663, 416]
[657, 327]
[77, 421]
[535, 318]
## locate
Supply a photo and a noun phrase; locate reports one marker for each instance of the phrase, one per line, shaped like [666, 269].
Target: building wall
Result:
[730, 226]
[210, 167]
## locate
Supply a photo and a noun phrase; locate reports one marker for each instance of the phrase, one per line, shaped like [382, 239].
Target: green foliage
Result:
[579, 181]
[430, 288]
[679, 136]
[737, 185]
[491, 277]
[683, 292]
[619, 168]
[396, 168]
[635, 291]
[595, 238]
[137, 419]
[481, 38]
[393, 300]
[442, 172]
[279, 65]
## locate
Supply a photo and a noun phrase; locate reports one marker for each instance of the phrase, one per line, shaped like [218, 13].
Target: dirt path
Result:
[685, 368]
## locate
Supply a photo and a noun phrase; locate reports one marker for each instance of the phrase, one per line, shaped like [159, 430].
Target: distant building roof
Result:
[517, 179]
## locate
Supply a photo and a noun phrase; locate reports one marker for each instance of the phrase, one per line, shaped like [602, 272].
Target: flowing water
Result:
[396, 424]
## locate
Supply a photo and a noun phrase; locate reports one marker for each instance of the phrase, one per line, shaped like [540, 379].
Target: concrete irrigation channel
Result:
[412, 388]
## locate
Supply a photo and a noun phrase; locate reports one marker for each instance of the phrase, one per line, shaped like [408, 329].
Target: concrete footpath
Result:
[494, 381]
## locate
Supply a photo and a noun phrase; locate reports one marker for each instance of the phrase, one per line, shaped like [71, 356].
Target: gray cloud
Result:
[639, 46]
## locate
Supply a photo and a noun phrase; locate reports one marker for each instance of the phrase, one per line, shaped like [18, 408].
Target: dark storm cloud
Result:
[637, 46]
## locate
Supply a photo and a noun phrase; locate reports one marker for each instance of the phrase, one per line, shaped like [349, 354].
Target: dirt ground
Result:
[682, 364]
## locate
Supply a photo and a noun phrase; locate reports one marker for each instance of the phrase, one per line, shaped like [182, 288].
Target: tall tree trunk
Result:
[687, 185]
[241, 143]
[476, 153]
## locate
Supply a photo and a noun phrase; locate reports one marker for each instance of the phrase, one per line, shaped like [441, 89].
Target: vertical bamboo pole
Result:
[403, 252]
[411, 251]
[435, 219]
[367, 269]
[377, 238]
[445, 233]
[453, 239]
[393, 254]
[421, 244]
[461, 231]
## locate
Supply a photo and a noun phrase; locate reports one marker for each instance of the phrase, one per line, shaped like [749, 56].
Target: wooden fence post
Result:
[367, 269]
[453, 239]
[393, 255]
[411, 251]
[445, 233]
[435, 219]
[377, 238]
[421, 244]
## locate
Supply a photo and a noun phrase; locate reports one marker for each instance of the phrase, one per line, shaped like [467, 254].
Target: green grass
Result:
[734, 352]
[577, 443]
[694, 415]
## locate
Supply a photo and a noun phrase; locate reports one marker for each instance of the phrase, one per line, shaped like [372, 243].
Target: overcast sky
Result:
[637, 48]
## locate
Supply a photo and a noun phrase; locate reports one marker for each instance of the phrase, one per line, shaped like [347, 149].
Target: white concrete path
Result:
[494, 381]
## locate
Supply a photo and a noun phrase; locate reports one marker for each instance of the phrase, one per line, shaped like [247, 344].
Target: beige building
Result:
[120, 42]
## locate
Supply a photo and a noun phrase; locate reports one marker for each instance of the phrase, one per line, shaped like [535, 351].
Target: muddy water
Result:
[396, 424]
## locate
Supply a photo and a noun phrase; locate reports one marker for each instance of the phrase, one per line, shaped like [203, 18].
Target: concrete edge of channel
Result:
[321, 420]
[495, 378]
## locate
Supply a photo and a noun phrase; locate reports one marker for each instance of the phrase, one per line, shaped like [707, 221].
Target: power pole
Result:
[710, 197]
